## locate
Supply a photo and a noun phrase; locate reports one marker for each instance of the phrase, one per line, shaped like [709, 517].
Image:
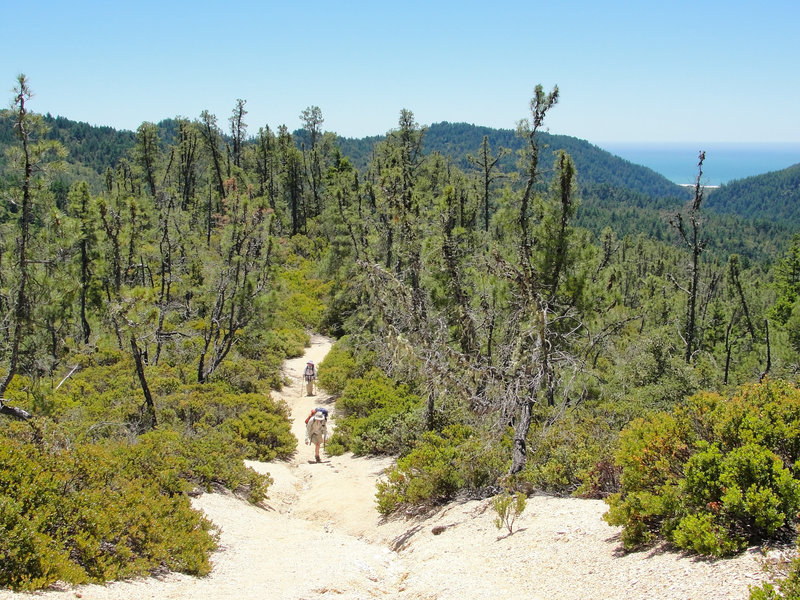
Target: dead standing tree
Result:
[241, 278]
[696, 245]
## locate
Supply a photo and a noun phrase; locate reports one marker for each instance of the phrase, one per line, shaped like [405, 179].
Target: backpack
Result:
[324, 411]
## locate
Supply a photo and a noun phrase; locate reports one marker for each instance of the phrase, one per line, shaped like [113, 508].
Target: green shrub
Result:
[362, 396]
[703, 534]
[376, 416]
[201, 407]
[302, 293]
[574, 455]
[715, 474]
[245, 376]
[338, 367]
[388, 430]
[427, 475]
[263, 435]
[334, 446]
[82, 514]
[438, 468]
[290, 342]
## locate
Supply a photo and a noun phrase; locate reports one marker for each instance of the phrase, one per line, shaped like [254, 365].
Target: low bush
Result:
[262, 435]
[714, 475]
[81, 513]
[441, 465]
[302, 292]
[202, 407]
[178, 462]
[376, 416]
[574, 455]
[338, 367]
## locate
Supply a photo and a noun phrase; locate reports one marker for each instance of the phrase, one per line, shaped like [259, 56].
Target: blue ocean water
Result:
[725, 162]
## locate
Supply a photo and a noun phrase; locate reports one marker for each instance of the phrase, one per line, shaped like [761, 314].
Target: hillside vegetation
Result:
[754, 218]
[772, 197]
[491, 336]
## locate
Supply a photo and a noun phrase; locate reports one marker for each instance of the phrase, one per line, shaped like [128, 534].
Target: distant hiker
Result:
[317, 429]
[309, 375]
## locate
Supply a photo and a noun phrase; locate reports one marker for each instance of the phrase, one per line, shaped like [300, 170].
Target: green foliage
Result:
[263, 435]
[251, 375]
[257, 426]
[106, 503]
[441, 465]
[86, 513]
[219, 280]
[508, 508]
[428, 474]
[767, 197]
[302, 306]
[337, 369]
[655, 372]
[574, 455]
[713, 475]
[376, 416]
[702, 533]
[793, 327]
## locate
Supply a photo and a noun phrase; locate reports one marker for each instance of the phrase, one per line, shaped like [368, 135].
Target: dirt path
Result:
[320, 537]
[338, 493]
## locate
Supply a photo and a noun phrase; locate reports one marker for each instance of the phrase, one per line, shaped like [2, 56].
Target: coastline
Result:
[725, 162]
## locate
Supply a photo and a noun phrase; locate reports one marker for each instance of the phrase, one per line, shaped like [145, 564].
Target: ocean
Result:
[725, 162]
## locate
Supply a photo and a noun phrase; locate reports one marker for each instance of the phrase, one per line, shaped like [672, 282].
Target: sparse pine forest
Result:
[514, 311]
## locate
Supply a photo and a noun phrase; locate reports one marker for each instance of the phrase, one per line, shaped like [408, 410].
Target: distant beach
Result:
[725, 162]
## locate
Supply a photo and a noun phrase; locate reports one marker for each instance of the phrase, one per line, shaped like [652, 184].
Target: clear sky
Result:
[628, 71]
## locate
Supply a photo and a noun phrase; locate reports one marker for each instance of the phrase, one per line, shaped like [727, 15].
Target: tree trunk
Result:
[519, 452]
[149, 421]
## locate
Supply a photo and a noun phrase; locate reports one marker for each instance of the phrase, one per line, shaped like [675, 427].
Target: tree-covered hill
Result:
[92, 146]
[595, 165]
[773, 197]
[98, 147]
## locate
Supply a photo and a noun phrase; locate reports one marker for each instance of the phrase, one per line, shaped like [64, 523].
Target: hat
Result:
[319, 416]
[311, 362]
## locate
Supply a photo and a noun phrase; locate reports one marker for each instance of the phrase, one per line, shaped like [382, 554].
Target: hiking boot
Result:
[317, 458]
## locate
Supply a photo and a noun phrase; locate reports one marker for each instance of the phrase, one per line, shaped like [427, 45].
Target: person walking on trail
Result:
[309, 375]
[317, 430]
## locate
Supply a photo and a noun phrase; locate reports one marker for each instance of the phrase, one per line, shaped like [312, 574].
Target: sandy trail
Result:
[318, 535]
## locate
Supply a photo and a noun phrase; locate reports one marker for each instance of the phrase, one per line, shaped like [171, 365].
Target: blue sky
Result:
[676, 71]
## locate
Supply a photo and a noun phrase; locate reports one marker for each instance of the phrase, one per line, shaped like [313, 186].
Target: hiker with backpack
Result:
[309, 375]
[317, 430]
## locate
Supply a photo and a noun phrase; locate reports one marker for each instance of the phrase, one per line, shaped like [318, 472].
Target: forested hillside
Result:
[771, 197]
[497, 329]
[97, 147]
[460, 141]
[607, 181]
